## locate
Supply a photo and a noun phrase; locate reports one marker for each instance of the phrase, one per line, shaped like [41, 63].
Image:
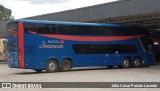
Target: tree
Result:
[5, 14]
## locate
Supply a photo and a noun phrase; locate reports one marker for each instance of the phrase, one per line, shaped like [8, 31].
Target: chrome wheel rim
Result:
[136, 63]
[52, 66]
[126, 63]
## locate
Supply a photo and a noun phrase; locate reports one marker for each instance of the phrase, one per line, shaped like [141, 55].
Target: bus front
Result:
[14, 53]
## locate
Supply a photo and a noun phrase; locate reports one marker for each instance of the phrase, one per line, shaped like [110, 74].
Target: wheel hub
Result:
[52, 66]
[126, 63]
[136, 62]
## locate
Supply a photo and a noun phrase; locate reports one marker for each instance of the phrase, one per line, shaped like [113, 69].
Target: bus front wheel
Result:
[52, 66]
[66, 65]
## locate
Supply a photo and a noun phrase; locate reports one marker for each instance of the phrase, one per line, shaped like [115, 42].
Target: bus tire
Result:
[136, 62]
[125, 63]
[52, 66]
[66, 65]
[38, 70]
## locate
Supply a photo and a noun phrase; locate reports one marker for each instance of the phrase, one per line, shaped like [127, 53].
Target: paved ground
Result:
[146, 74]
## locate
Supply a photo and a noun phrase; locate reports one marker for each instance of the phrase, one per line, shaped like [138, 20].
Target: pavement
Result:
[85, 74]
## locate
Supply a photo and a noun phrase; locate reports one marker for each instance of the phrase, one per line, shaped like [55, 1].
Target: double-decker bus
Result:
[59, 46]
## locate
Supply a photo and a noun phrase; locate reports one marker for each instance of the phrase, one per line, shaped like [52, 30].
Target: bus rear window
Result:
[12, 27]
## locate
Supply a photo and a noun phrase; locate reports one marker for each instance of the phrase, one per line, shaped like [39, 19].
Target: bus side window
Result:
[29, 28]
[47, 29]
[66, 29]
[53, 29]
[40, 29]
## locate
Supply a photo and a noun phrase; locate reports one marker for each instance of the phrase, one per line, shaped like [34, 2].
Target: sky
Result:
[28, 8]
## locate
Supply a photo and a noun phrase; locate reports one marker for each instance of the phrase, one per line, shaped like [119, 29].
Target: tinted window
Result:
[82, 30]
[147, 43]
[12, 27]
[29, 28]
[66, 29]
[43, 28]
[49, 29]
[103, 48]
[109, 31]
[126, 31]
[93, 30]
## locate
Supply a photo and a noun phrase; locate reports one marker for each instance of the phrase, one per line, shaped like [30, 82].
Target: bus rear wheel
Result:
[136, 62]
[125, 63]
[66, 65]
[52, 66]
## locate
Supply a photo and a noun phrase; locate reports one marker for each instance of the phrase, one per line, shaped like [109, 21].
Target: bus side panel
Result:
[30, 54]
[46, 50]
[150, 58]
[40, 53]
[108, 59]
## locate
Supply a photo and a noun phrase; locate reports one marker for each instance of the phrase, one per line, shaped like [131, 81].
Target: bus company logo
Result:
[56, 41]
[62, 41]
[21, 85]
[44, 45]
[6, 85]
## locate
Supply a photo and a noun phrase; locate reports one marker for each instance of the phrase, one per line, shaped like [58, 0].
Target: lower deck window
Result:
[104, 48]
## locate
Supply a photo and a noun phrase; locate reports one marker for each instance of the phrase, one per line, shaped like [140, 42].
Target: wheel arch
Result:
[53, 58]
[138, 57]
[128, 58]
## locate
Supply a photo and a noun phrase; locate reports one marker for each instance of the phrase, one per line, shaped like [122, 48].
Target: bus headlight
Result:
[155, 43]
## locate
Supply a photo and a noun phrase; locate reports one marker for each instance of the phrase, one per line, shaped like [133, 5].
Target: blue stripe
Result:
[67, 23]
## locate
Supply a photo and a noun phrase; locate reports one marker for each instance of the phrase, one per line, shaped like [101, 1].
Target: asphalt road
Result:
[90, 74]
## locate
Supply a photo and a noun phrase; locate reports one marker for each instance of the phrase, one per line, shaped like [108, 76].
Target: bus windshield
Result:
[12, 27]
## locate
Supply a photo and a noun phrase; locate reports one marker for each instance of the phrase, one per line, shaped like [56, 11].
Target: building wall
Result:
[2, 29]
[103, 11]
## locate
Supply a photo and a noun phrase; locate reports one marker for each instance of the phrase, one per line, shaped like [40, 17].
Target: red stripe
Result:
[32, 32]
[91, 39]
[21, 44]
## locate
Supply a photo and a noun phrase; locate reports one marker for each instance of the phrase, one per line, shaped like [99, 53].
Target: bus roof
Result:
[67, 23]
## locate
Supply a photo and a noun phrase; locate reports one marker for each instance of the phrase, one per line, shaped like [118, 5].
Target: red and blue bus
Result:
[59, 46]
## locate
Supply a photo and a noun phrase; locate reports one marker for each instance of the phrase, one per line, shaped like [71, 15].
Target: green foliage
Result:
[5, 14]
